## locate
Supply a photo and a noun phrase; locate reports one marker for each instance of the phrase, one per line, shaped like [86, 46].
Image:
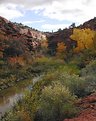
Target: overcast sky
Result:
[48, 15]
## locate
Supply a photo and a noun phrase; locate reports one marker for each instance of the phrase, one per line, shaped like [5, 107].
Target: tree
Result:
[72, 25]
[57, 103]
[61, 47]
[84, 38]
[94, 41]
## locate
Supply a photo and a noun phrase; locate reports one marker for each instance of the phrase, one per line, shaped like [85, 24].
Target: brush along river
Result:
[10, 96]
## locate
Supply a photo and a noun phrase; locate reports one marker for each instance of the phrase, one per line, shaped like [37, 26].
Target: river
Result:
[10, 96]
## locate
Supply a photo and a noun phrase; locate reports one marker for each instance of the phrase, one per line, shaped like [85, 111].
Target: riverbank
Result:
[11, 76]
[10, 96]
[54, 97]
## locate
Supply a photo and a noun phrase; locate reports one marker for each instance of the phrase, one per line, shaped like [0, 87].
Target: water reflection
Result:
[10, 96]
[7, 102]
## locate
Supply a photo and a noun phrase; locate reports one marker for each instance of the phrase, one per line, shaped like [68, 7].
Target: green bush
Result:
[77, 85]
[91, 84]
[56, 103]
[53, 97]
[90, 69]
[89, 73]
[43, 65]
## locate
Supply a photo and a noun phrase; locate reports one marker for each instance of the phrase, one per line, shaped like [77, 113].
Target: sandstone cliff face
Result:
[14, 28]
[13, 35]
[35, 34]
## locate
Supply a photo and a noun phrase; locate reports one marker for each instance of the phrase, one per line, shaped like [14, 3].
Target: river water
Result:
[10, 96]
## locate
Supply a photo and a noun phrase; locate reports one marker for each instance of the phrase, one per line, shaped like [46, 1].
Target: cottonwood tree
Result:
[84, 38]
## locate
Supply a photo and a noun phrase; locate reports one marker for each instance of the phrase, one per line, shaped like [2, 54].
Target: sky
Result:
[48, 15]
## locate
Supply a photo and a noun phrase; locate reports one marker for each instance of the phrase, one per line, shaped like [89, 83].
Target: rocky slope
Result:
[15, 28]
[88, 109]
[60, 36]
[89, 24]
[17, 39]
[64, 35]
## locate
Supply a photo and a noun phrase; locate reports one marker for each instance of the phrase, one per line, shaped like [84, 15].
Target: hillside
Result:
[30, 38]
[49, 76]
[18, 40]
[12, 29]
[89, 24]
[88, 106]
[64, 35]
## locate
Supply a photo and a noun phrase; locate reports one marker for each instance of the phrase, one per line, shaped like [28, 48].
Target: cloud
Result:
[74, 10]
[28, 3]
[10, 11]
[32, 22]
[54, 27]
[77, 11]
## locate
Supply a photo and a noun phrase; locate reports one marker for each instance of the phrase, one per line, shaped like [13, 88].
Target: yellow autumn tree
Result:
[84, 38]
[61, 47]
[94, 41]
